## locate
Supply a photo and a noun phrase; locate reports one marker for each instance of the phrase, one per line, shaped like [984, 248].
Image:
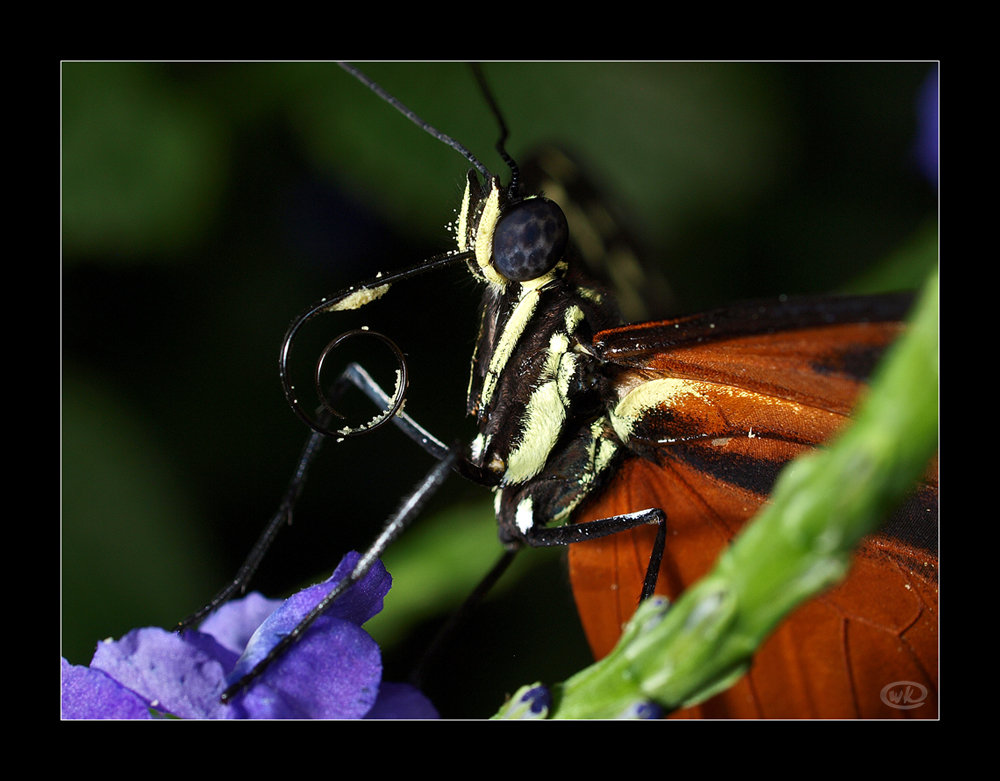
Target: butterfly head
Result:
[515, 239]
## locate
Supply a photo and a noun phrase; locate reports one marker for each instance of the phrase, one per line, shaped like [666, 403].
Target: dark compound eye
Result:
[529, 239]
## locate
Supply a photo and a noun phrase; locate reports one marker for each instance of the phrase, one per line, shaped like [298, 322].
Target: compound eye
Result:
[529, 239]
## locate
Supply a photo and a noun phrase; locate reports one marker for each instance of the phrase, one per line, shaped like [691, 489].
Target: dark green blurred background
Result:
[204, 206]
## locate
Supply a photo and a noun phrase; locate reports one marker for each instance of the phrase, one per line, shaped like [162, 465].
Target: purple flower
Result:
[333, 672]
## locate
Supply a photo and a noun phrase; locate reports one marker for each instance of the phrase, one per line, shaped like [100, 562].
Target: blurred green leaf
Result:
[143, 165]
[132, 544]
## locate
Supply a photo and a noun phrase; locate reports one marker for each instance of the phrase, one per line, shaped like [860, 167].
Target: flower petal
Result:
[401, 701]
[179, 674]
[334, 670]
[234, 623]
[90, 694]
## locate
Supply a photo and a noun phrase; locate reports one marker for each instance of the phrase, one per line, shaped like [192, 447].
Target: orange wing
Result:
[709, 460]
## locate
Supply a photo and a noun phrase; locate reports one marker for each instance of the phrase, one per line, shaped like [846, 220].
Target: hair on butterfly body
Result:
[761, 435]
[566, 398]
[522, 128]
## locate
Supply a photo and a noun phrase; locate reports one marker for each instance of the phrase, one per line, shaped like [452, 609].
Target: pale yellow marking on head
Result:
[530, 285]
[462, 223]
[484, 238]
[359, 298]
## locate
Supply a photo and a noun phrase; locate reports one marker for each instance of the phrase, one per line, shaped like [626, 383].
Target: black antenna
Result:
[449, 458]
[477, 71]
[396, 104]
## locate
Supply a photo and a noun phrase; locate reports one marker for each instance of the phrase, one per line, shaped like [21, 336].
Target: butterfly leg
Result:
[604, 527]
[353, 376]
[408, 510]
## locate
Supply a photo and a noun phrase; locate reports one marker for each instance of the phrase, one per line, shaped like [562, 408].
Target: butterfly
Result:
[636, 77]
[653, 419]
